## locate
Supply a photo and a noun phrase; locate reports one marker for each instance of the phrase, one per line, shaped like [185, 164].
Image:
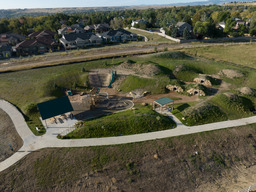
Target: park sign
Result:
[54, 107]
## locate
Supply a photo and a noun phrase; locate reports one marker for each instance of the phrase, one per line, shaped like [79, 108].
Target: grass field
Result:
[155, 85]
[238, 54]
[234, 108]
[141, 120]
[151, 37]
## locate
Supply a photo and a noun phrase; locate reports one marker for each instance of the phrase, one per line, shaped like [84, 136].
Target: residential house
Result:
[238, 23]
[222, 25]
[38, 42]
[5, 51]
[29, 47]
[98, 28]
[79, 40]
[11, 38]
[45, 33]
[181, 26]
[138, 21]
[118, 36]
[76, 28]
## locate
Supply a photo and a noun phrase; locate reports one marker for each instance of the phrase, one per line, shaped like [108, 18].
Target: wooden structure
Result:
[163, 103]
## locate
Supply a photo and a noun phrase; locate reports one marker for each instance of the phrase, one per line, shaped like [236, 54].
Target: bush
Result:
[31, 109]
[172, 55]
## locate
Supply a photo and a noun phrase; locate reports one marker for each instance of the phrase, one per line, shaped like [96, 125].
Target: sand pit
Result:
[104, 104]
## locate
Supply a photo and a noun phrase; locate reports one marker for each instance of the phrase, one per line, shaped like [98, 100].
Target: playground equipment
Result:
[112, 79]
[69, 93]
[93, 97]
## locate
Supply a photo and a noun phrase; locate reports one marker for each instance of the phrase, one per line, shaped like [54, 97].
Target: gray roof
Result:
[117, 32]
[179, 24]
[74, 36]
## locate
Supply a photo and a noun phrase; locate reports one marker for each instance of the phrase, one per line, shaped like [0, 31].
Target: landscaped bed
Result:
[141, 120]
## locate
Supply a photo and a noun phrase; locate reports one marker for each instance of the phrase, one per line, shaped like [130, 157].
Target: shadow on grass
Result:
[183, 107]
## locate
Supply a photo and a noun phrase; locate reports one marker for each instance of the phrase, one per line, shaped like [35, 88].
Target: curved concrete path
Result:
[33, 143]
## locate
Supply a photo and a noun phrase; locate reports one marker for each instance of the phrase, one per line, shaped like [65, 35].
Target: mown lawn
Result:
[155, 85]
[141, 120]
[151, 37]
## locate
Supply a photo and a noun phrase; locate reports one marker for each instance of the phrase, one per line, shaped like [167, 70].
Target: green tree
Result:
[229, 27]
[186, 34]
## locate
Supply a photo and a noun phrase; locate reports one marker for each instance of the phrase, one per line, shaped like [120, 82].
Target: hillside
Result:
[217, 161]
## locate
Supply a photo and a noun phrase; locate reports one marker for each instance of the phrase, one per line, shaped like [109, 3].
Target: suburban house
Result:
[79, 40]
[45, 33]
[76, 28]
[238, 23]
[5, 51]
[38, 42]
[222, 25]
[11, 38]
[118, 36]
[29, 47]
[138, 21]
[181, 26]
[98, 28]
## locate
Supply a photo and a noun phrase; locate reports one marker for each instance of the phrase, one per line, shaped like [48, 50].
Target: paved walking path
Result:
[33, 143]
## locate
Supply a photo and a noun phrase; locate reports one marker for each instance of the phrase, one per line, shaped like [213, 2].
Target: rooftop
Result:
[164, 101]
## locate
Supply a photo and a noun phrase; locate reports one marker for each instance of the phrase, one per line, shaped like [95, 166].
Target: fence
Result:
[226, 39]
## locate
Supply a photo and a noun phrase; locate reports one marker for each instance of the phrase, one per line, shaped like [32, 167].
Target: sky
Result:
[14, 4]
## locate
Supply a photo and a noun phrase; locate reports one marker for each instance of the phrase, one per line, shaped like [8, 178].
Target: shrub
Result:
[31, 108]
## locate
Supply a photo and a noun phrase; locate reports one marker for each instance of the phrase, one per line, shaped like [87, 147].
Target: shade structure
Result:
[164, 101]
[55, 107]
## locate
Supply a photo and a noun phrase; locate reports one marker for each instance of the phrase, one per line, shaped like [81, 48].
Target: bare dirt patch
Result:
[231, 73]
[247, 91]
[8, 135]
[144, 69]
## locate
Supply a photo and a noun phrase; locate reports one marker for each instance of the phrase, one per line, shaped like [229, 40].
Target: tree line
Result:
[203, 19]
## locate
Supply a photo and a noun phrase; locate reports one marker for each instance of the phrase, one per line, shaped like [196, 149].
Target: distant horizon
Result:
[47, 4]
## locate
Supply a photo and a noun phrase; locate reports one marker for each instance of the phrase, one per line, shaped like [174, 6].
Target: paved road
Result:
[33, 143]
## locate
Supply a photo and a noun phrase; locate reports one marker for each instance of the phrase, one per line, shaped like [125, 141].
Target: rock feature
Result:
[204, 80]
[174, 88]
[196, 91]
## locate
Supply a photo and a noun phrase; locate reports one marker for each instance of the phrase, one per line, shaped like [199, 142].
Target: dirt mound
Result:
[231, 73]
[147, 69]
[246, 91]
